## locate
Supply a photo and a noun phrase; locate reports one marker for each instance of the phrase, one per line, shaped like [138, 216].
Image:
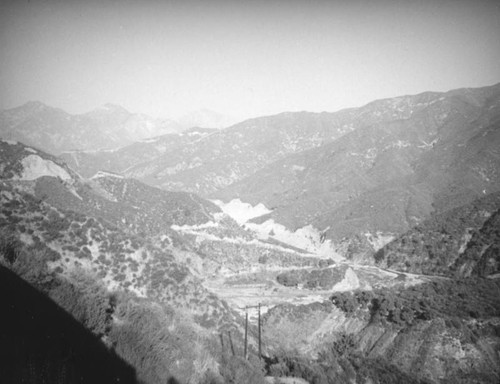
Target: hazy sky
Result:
[242, 58]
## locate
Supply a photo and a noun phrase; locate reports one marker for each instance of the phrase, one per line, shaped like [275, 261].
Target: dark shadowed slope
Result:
[41, 343]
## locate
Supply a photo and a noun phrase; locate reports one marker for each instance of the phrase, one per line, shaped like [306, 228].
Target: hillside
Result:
[462, 241]
[50, 238]
[243, 149]
[229, 155]
[118, 160]
[442, 155]
[153, 250]
[21, 162]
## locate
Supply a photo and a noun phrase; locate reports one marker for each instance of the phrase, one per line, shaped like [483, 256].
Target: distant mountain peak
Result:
[110, 108]
[34, 105]
[113, 106]
[205, 118]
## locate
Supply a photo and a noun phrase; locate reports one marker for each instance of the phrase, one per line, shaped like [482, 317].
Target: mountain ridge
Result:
[165, 276]
[54, 130]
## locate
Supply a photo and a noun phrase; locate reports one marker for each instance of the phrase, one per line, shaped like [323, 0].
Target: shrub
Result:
[86, 299]
[287, 279]
[10, 246]
[235, 369]
[157, 342]
[345, 301]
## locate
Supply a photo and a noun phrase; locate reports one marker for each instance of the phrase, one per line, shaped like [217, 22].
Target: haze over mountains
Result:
[107, 127]
[368, 235]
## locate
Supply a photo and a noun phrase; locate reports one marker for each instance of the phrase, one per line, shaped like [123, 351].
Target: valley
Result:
[369, 236]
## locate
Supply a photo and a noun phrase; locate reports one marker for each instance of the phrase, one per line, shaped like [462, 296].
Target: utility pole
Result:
[246, 331]
[231, 342]
[260, 344]
[222, 341]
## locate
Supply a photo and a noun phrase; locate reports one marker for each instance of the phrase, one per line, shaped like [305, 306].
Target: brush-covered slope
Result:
[123, 260]
[178, 220]
[100, 236]
[387, 176]
[133, 206]
[108, 224]
[234, 153]
[463, 241]
[162, 341]
[238, 151]
[193, 228]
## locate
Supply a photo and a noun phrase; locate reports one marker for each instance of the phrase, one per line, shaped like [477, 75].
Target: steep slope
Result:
[66, 229]
[55, 131]
[41, 342]
[482, 255]
[384, 178]
[164, 313]
[463, 241]
[129, 204]
[20, 162]
[122, 260]
[239, 151]
[134, 206]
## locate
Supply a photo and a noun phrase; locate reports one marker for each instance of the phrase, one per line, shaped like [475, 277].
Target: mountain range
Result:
[367, 237]
[105, 128]
[429, 152]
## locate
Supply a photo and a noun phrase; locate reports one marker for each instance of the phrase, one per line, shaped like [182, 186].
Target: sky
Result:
[241, 58]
